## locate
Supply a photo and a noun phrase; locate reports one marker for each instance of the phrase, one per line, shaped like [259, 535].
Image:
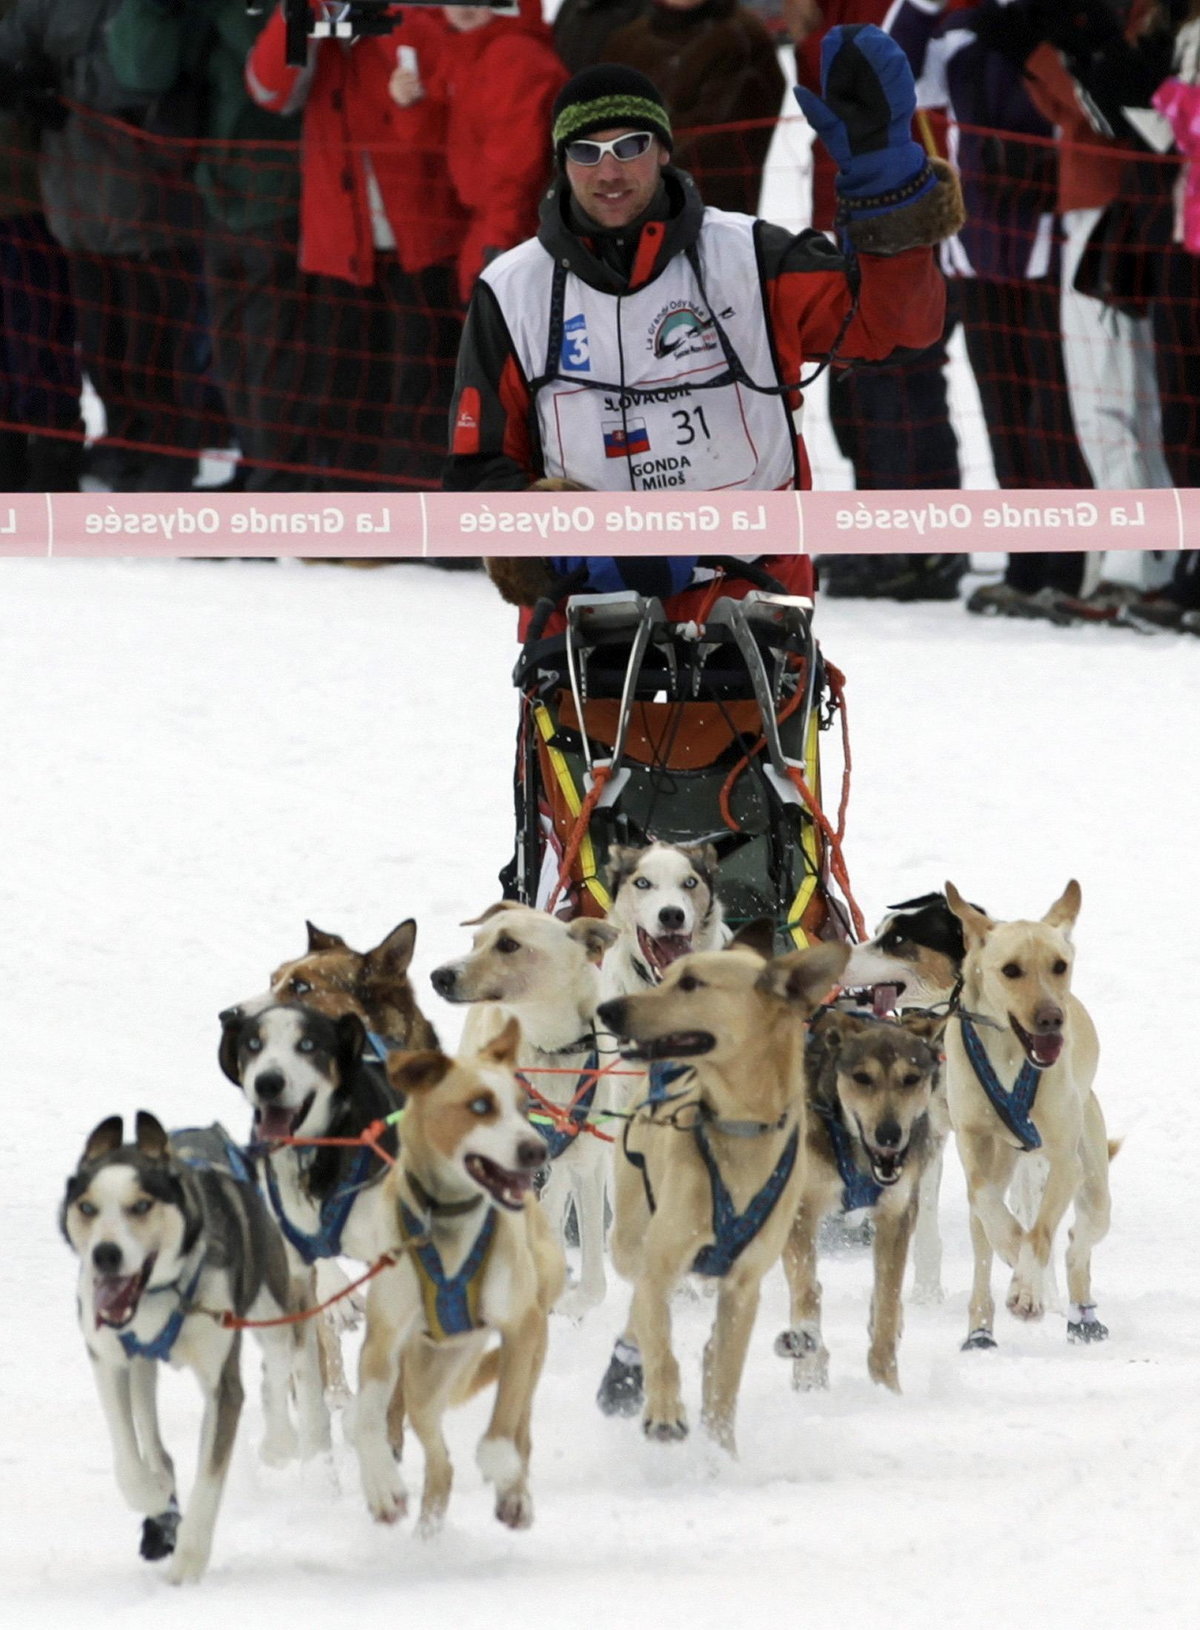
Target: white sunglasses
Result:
[625, 148]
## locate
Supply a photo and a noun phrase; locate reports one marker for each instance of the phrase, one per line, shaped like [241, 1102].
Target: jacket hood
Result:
[560, 238]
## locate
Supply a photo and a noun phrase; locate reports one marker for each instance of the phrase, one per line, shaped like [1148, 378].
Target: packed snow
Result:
[198, 756]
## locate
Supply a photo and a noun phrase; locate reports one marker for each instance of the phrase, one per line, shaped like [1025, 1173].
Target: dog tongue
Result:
[883, 1000]
[666, 948]
[274, 1122]
[1045, 1049]
[115, 1300]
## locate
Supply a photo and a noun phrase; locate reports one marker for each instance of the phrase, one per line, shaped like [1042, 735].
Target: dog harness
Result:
[735, 1230]
[160, 1346]
[334, 1212]
[860, 1191]
[451, 1304]
[558, 1139]
[1013, 1107]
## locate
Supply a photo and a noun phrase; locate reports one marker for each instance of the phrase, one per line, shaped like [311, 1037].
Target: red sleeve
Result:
[271, 82]
[515, 159]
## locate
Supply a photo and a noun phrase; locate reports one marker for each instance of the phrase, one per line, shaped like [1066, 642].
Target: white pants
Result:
[1113, 386]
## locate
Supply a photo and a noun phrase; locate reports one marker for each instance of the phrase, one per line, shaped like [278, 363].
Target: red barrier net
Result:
[170, 276]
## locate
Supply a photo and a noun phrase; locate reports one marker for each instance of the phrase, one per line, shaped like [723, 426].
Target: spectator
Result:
[1005, 262]
[125, 211]
[379, 230]
[256, 295]
[498, 77]
[891, 423]
[642, 341]
[715, 65]
[582, 28]
[39, 371]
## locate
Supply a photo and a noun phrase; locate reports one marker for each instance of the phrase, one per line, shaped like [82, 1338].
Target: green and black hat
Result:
[603, 98]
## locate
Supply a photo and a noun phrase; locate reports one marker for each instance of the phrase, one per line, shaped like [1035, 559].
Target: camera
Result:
[349, 19]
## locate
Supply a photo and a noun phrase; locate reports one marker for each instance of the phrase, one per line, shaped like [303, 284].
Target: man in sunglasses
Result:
[642, 342]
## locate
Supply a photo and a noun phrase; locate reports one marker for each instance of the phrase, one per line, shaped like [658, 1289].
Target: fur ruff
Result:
[936, 215]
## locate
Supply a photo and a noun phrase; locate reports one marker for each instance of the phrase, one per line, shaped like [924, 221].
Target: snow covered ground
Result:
[198, 756]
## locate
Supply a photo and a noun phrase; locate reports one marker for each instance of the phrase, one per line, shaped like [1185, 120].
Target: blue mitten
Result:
[864, 117]
[650, 575]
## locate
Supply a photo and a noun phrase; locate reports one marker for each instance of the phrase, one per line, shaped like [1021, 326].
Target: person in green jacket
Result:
[191, 55]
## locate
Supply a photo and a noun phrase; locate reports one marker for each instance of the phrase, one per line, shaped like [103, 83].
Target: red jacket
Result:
[348, 114]
[499, 82]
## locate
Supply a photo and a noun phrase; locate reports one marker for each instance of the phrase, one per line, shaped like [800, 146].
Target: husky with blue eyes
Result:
[664, 906]
[171, 1233]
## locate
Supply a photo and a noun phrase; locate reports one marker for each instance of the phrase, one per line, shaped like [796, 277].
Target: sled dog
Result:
[478, 1256]
[1021, 1054]
[335, 979]
[663, 906]
[869, 1091]
[168, 1236]
[914, 961]
[532, 966]
[708, 1179]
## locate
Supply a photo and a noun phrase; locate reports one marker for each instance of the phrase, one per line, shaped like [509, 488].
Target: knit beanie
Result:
[604, 98]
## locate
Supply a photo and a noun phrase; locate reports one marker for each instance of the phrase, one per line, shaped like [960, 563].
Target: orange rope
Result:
[599, 780]
[231, 1321]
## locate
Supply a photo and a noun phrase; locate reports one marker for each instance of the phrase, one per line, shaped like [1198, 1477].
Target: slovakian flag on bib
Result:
[622, 440]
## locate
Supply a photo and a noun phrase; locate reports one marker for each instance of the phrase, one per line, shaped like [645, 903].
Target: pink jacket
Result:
[1179, 104]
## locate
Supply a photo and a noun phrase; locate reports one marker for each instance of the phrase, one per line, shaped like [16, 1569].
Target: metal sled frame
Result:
[768, 632]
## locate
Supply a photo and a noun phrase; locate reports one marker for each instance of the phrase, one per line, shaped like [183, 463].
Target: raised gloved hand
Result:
[864, 117]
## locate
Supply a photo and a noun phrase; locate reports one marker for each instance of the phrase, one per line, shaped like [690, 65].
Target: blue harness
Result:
[735, 1230]
[662, 1076]
[860, 1191]
[1012, 1107]
[335, 1209]
[560, 1138]
[166, 1338]
[451, 1305]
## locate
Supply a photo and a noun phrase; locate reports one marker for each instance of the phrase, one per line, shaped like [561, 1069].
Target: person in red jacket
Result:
[380, 229]
[495, 83]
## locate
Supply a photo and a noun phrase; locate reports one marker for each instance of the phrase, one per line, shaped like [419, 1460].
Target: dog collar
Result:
[587, 1040]
[741, 1129]
[440, 1208]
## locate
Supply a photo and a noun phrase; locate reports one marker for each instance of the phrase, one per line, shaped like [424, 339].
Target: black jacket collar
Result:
[561, 238]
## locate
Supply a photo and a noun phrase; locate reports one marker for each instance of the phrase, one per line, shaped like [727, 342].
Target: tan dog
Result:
[534, 967]
[870, 1092]
[731, 1141]
[1019, 1068]
[479, 1256]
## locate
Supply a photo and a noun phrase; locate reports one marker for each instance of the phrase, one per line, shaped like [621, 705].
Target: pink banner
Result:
[540, 523]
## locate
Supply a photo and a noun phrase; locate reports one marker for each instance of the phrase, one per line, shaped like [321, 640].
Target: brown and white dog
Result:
[870, 1088]
[478, 1257]
[710, 1180]
[1020, 1061]
[335, 979]
[534, 967]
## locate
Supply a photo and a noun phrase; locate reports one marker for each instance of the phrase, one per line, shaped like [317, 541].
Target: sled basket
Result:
[634, 728]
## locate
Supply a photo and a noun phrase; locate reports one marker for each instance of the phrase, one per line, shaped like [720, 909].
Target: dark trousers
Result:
[388, 375]
[893, 423]
[1015, 346]
[39, 369]
[144, 344]
[263, 324]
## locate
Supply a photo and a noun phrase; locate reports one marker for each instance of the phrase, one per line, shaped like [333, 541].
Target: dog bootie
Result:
[1083, 1325]
[621, 1391]
[979, 1341]
[158, 1534]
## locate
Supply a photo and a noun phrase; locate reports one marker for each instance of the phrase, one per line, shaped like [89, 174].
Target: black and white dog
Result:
[304, 1076]
[171, 1233]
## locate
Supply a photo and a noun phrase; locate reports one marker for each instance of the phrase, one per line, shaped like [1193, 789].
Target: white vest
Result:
[659, 339]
